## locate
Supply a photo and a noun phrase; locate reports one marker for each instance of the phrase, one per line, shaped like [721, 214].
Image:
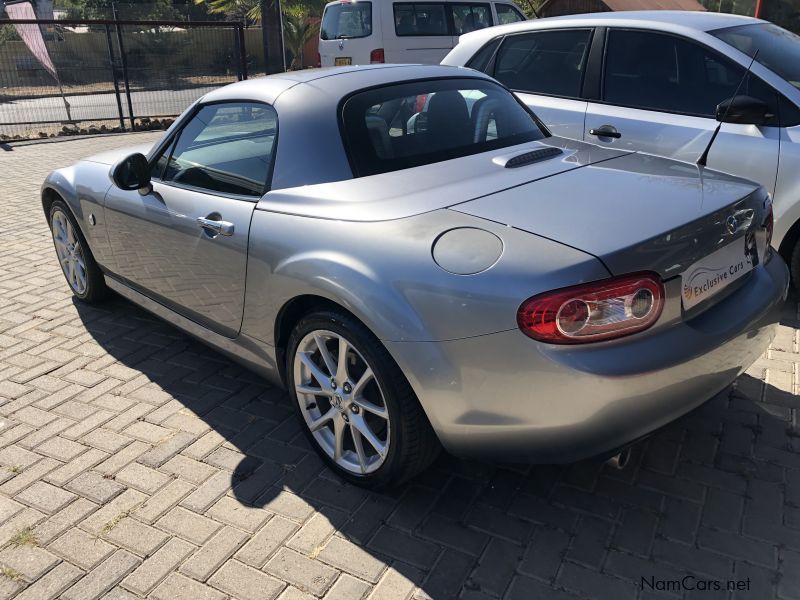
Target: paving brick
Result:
[106, 440]
[31, 562]
[397, 582]
[120, 506]
[60, 448]
[63, 520]
[262, 545]
[189, 469]
[208, 493]
[348, 588]
[352, 558]
[241, 581]
[307, 574]
[190, 526]
[75, 467]
[28, 476]
[161, 453]
[81, 549]
[137, 537]
[497, 566]
[118, 460]
[400, 545]
[178, 587]
[318, 529]
[52, 584]
[591, 583]
[231, 511]
[737, 546]
[153, 570]
[103, 577]
[155, 506]
[142, 478]
[45, 497]
[218, 549]
[95, 487]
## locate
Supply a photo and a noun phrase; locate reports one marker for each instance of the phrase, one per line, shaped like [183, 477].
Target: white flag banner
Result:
[31, 34]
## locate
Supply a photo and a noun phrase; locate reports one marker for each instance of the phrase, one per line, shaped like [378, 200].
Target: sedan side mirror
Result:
[132, 173]
[744, 110]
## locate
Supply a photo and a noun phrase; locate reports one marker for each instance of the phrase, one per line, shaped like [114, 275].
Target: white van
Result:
[358, 32]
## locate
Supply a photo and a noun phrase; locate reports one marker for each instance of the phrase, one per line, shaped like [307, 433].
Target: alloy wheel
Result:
[70, 252]
[342, 402]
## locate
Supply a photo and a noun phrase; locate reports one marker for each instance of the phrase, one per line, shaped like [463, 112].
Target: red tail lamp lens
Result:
[377, 56]
[601, 310]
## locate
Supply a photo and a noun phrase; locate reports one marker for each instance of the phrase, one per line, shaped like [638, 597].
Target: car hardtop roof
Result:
[333, 80]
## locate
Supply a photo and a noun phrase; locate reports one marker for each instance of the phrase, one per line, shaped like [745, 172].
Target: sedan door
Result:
[659, 95]
[546, 69]
[184, 244]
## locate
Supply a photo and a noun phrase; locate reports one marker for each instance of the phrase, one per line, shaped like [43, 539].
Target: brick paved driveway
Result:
[134, 462]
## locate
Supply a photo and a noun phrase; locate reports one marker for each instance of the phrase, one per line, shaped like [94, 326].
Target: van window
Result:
[507, 14]
[420, 19]
[411, 124]
[346, 20]
[471, 17]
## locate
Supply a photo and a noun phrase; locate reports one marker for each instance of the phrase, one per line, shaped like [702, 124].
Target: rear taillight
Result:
[601, 310]
[377, 56]
[319, 60]
[769, 225]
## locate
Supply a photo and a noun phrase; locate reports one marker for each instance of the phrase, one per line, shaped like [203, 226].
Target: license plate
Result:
[342, 61]
[715, 272]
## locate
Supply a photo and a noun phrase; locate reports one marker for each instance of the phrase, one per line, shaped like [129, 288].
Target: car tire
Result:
[331, 405]
[81, 271]
[794, 266]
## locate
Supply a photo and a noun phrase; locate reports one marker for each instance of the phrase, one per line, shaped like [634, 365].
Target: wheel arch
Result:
[292, 312]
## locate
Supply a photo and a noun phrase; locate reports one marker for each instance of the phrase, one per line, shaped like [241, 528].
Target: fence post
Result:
[242, 50]
[114, 74]
[124, 67]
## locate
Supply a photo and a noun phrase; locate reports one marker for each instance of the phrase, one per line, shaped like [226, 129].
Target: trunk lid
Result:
[635, 212]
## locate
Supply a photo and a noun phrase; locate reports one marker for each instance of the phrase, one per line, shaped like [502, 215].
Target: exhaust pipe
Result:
[620, 460]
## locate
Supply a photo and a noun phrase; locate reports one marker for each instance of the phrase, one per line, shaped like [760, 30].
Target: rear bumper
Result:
[506, 397]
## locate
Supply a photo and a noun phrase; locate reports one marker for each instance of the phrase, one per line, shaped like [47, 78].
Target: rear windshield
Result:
[778, 49]
[346, 20]
[407, 125]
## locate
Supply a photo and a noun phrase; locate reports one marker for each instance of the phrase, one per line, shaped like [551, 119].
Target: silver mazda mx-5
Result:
[409, 252]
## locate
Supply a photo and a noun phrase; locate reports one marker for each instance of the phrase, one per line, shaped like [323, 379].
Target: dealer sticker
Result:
[718, 270]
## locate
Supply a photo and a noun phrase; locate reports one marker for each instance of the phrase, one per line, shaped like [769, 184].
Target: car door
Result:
[659, 94]
[546, 69]
[184, 244]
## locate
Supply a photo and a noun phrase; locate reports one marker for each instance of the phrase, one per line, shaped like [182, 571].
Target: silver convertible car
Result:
[411, 253]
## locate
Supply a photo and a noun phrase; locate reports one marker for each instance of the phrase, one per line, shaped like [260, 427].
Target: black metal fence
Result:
[117, 75]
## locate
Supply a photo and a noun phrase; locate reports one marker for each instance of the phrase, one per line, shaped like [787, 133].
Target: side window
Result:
[662, 72]
[226, 148]
[507, 14]
[544, 62]
[470, 17]
[420, 19]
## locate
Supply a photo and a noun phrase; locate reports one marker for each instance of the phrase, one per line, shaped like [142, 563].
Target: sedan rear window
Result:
[407, 125]
[346, 20]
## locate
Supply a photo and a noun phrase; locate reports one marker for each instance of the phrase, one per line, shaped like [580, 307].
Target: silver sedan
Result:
[411, 253]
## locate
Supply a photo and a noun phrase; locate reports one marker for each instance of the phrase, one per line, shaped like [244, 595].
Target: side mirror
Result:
[744, 110]
[132, 173]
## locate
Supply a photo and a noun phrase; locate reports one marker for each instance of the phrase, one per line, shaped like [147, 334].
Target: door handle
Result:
[218, 227]
[605, 133]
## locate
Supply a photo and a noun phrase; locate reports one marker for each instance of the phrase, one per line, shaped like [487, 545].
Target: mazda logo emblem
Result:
[732, 224]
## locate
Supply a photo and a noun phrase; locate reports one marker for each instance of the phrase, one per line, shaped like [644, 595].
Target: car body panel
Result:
[762, 153]
[367, 245]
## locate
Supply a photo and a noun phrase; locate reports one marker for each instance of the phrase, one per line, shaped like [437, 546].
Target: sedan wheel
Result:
[341, 402]
[354, 403]
[84, 277]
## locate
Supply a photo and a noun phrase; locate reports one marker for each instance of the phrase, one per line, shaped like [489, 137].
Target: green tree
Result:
[132, 10]
[297, 31]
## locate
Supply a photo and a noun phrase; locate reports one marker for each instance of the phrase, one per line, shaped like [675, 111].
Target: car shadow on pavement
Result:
[690, 500]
